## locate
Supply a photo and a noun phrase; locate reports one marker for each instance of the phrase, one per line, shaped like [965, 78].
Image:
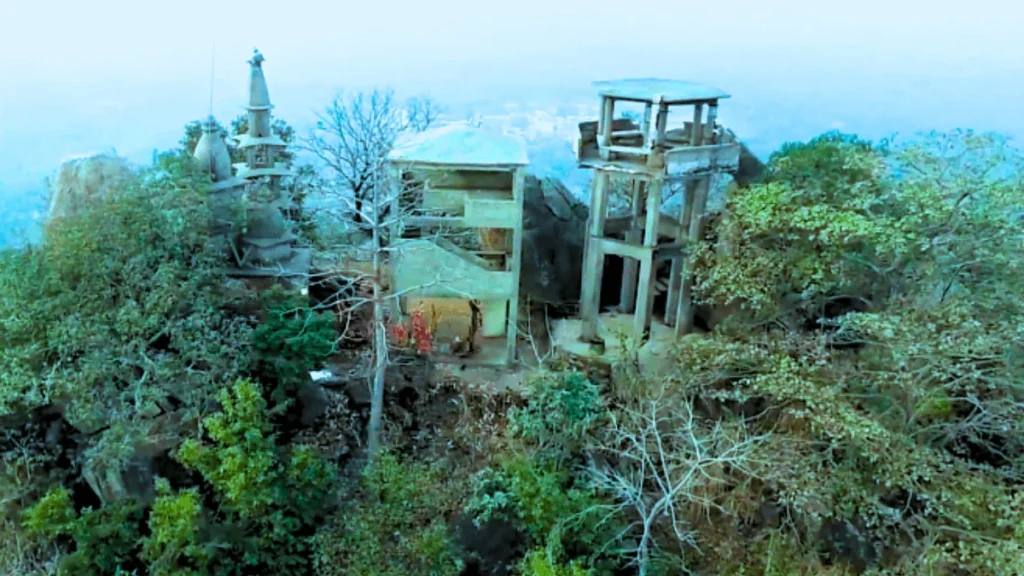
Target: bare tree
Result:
[669, 464]
[354, 134]
[352, 140]
[357, 272]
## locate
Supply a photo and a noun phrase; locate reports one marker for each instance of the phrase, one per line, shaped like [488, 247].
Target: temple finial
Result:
[257, 58]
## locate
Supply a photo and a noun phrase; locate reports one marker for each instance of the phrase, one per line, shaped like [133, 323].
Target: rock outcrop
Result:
[81, 179]
[554, 222]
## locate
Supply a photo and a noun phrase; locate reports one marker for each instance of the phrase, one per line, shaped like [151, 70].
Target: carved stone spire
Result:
[259, 97]
[260, 144]
[267, 247]
[213, 157]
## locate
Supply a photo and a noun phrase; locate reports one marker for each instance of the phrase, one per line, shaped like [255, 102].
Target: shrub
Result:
[560, 512]
[270, 500]
[174, 542]
[539, 563]
[399, 525]
[104, 541]
[289, 342]
[562, 411]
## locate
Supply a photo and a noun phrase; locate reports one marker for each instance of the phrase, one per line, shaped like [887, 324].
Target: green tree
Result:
[122, 312]
[896, 437]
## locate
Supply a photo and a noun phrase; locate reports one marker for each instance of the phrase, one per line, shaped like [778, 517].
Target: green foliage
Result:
[398, 527]
[268, 502]
[837, 217]
[121, 308]
[105, 540]
[52, 516]
[820, 225]
[909, 431]
[829, 166]
[269, 499]
[779, 554]
[558, 510]
[562, 411]
[539, 563]
[120, 314]
[289, 342]
[540, 497]
[175, 537]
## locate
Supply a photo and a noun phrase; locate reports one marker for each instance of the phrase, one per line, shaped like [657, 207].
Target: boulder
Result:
[81, 179]
[133, 477]
[554, 222]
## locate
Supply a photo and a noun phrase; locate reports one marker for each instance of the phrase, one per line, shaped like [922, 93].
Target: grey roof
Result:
[671, 91]
[460, 143]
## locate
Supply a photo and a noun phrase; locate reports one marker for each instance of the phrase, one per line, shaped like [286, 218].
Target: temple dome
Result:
[212, 155]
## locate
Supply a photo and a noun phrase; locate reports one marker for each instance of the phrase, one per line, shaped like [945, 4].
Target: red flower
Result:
[420, 333]
[400, 334]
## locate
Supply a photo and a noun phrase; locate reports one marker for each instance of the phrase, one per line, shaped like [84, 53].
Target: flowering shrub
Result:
[400, 335]
[421, 335]
[416, 334]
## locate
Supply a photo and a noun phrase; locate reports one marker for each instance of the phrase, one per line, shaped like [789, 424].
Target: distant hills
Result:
[20, 214]
[548, 121]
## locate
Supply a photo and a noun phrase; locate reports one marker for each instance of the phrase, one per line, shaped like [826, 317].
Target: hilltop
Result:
[852, 402]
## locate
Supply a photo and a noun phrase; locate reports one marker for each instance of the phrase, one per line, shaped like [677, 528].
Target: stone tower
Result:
[267, 246]
[260, 144]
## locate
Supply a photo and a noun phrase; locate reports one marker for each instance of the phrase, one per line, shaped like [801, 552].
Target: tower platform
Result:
[647, 155]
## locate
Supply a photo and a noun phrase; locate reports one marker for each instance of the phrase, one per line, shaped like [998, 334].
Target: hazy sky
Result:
[78, 76]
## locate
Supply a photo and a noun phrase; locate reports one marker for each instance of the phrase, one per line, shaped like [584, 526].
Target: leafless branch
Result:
[352, 137]
[667, 465]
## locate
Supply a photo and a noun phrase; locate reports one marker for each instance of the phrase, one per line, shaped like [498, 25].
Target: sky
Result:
[77, 77]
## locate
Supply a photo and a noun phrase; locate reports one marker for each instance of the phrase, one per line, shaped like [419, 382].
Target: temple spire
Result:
[260, 144]
[259, 96]
[212, 154]
[267, 246]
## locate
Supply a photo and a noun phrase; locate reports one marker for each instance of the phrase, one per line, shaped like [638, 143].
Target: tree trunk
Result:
[380, 342]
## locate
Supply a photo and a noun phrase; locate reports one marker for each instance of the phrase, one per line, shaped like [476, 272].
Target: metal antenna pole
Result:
[213, 64]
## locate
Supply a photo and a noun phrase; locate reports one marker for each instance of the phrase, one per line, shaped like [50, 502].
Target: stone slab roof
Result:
[671, 91]
[460, 143]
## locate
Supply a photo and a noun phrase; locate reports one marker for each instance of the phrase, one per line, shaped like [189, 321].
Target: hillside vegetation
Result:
[859, 411]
